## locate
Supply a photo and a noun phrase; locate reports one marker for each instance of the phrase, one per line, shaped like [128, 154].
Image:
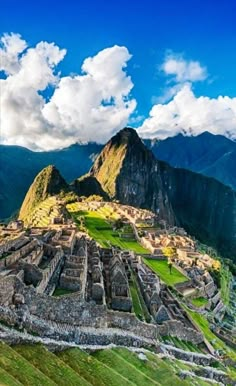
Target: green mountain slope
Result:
[47, 183]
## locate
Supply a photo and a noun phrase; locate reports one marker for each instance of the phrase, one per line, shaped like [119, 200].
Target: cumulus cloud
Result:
[180, 111]
[182, 70]
[90, 106]
[11, 46]
[190, 115]
[95, 104]
[179, 72]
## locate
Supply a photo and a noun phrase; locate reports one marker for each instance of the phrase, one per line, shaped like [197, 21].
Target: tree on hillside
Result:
[170, 264]
[169, 252]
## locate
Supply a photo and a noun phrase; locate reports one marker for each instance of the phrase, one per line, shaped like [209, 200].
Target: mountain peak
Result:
[123, 146]
[47, 183]
[125, 136]
[129, 172]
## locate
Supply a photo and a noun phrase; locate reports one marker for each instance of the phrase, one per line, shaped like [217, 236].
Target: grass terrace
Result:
[199, 302]
[217, 343]
[139, 306]
[161, 268]
[99, 225]
[34, 365]
[225, 280]
[61, 292]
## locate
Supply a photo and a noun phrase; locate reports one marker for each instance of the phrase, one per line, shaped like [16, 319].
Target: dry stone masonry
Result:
[60, 283]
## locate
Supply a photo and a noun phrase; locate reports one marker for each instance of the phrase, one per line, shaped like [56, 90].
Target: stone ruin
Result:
[54, 281]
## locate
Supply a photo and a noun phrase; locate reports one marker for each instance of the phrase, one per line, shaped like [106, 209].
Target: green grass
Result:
[187, 346]
[96, 372]
[34, 365]
[139, 306]
[217, 343]
[100, 229]
[136, 302]
[7, 379]
[50, 365]
[199, 302]
[127, 369]
[62, 291]
[225, 280]
[153, 371]
[160, 267]
[20, 369]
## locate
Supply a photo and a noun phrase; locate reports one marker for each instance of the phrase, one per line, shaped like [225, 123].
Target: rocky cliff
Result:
[47, 183]
[129, 172]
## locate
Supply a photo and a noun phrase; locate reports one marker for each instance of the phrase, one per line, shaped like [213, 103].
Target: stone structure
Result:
[120, 293]
[96, 291]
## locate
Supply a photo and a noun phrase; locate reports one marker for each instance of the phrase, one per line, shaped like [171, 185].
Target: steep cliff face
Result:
[47, 183]
[129, 172]
[206, 208]
[203, 206]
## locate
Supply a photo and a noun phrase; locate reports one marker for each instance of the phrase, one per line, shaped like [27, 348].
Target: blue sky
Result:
[203, 31]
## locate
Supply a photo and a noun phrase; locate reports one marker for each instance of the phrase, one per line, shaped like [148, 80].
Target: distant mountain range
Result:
[208, 154]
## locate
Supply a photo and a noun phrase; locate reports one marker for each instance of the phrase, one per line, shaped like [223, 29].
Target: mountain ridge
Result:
[208, 154]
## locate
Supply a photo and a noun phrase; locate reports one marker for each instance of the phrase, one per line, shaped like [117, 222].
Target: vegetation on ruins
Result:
[199, 302]
[139, 306]
[99, 225]
[161, 268]
[217, 343]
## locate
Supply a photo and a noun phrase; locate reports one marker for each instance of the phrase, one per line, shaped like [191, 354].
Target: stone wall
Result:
[69, 310]
[7, 289]
[20, 253]
[6, 245]
[177, 329]
[129, 322]
[48, 272]
[197, 358]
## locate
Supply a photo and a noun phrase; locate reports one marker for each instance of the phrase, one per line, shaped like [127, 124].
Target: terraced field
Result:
[34, 365]
[42, 214]
[99, 227]
[160, 267]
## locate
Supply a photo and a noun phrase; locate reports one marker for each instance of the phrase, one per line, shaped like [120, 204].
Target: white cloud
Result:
[11, 46]
[190, 115]
[97, 103]
[185, 113]
[182, 70]
[179, 72]
[90, 106]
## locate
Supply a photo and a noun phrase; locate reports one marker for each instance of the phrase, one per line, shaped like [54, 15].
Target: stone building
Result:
[120, 293]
